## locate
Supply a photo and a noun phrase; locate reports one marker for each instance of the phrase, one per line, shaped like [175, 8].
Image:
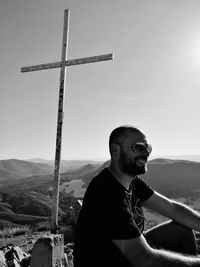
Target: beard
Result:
[131, 166]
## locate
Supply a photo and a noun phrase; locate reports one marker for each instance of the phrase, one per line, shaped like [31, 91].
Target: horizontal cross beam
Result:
[71, 62]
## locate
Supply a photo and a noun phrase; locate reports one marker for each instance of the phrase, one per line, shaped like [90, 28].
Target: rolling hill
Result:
[33, 195]
[14, 169]
[66, 165]
[174, 178]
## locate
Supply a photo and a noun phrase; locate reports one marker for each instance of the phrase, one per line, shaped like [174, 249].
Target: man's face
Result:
[131, 161]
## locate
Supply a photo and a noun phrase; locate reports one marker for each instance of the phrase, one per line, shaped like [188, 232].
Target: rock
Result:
[2, 259]
[14, 256]
[48, 251]
[68, 249]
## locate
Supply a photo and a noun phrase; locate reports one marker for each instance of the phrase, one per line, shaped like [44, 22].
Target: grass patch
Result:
[14, 231]
[22, 219]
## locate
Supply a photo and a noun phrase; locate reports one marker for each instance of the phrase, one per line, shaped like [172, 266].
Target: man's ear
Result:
[115, 148]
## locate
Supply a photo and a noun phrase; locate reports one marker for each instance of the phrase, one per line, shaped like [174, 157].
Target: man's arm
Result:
[140, 254]
[174, 210]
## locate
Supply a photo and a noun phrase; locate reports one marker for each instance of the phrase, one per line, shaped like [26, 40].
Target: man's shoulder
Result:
[103, 181]
[102, 176]
[99, 180]
[98, 189]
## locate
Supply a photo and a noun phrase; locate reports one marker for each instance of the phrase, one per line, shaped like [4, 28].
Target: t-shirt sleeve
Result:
[143, 191]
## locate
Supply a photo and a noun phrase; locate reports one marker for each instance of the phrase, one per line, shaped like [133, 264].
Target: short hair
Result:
[121, 131]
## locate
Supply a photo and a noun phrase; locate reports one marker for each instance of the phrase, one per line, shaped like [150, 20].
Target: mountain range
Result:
[66, 165]
[26, 187]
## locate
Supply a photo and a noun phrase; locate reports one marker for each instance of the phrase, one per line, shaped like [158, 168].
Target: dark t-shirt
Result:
[109, 211]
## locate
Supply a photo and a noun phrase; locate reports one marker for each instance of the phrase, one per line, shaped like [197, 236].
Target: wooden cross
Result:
[62, 64]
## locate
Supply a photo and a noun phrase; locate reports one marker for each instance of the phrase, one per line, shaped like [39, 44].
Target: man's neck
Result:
[120, 176]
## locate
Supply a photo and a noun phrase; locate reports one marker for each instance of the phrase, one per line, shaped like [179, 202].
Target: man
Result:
[109, 229]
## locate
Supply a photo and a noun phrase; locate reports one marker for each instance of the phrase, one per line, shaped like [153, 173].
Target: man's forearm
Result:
[161, 258]
[186, 216]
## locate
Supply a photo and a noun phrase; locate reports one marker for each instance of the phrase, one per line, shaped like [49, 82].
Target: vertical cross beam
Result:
[62, 64]
[60, 123]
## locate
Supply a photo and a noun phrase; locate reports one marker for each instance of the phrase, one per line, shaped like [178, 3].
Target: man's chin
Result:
[135, 171]
[141, 169]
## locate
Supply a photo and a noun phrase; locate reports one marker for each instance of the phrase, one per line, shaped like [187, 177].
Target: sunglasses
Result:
[140, 147]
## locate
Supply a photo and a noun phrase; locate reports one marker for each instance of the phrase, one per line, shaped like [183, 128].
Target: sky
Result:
[152, 83]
